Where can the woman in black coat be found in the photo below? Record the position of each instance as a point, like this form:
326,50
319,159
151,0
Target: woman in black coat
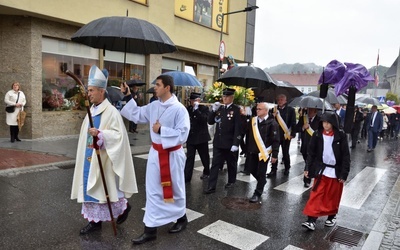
329,162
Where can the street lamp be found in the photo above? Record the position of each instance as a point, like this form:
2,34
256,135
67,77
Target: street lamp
247,9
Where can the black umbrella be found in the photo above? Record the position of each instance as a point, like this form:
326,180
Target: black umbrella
114,94
368,100
124,34
310,102
248,76
150,90
282,87
132,83
330,97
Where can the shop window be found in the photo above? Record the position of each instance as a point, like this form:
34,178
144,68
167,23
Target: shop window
59,91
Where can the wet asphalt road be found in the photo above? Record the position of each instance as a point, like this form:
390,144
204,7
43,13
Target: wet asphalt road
36,212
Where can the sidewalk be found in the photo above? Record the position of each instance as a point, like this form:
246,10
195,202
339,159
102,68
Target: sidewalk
47,153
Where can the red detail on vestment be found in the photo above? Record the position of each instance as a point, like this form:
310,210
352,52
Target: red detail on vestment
165,172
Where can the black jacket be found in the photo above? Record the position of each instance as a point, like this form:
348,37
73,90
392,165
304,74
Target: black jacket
228,126
269,132
357,120
305,136
340,148
198,125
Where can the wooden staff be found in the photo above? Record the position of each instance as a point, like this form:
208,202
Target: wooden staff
96,147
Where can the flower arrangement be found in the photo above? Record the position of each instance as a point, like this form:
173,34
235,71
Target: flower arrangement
243,96
56,99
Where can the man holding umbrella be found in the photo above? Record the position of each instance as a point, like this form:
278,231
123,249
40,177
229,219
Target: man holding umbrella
198,137
165,181
286,118
228,133
308,123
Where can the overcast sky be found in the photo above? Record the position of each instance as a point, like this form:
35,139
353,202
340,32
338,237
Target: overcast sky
318,31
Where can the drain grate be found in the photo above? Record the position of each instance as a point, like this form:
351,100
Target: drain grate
239,204
345,236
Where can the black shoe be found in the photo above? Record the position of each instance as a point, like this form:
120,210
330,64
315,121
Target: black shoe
144,238
124,215
229,185
204,176
255,199
91,227
271,174
178,226
286,172
244,172
306,185
17,139
209,191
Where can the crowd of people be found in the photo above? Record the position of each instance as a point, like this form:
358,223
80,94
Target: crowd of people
104,147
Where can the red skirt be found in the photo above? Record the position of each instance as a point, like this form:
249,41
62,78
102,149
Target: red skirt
326,199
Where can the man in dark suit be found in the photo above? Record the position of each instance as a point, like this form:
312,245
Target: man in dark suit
262,140
374,124
341,113
198,137
228,129
308,123
357,122
286,118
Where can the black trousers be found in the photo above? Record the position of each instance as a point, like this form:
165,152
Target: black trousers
14,131
285,144
258,170
354,136
221,155
202,149
305,179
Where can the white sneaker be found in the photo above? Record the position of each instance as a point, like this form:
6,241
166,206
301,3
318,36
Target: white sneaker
309,225
330,223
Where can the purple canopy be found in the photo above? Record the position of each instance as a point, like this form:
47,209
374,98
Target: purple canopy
333,73
343,77
356,75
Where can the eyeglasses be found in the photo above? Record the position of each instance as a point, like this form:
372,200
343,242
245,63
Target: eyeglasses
259,109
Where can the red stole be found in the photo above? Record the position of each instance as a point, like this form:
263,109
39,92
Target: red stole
163,157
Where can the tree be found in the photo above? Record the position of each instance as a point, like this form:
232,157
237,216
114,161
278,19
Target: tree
392,97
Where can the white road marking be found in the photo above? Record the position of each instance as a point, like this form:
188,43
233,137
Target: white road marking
232,235
359,188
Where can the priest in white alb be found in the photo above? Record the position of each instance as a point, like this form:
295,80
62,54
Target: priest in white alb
165,178
109,134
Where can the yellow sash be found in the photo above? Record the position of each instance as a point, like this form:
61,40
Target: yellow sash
283,126
264,152
310,131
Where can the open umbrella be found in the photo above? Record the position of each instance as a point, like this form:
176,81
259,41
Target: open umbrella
310,102
248,76
397,107
390,110
368,100
182,79
124,34
114,94
330,97
150,90
132,83
282,87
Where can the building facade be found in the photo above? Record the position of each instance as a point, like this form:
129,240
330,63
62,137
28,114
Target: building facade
304,82
36,50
